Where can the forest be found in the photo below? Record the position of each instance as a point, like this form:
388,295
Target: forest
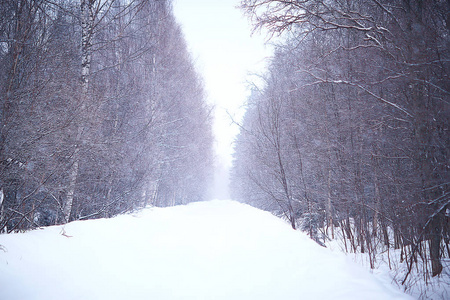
101,111
349,134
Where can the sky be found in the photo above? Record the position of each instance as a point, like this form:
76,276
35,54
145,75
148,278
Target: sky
227,56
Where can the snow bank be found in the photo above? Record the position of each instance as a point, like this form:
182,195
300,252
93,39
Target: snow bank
209,250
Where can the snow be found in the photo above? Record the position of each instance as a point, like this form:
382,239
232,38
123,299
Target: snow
206,250
390,268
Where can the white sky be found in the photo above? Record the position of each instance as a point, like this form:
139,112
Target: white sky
226,54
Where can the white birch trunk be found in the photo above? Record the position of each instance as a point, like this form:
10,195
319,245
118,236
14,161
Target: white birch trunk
87,24
73,174
2,196
144,197
154,195
329,208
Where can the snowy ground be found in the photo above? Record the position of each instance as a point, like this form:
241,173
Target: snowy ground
389,268
210,250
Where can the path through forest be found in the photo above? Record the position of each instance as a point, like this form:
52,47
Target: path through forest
207,250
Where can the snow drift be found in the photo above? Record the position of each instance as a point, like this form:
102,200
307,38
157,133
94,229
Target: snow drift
208,250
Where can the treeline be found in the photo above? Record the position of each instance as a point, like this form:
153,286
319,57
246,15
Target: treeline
350,132
101,111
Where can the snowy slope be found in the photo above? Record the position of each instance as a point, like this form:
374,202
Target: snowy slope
210,250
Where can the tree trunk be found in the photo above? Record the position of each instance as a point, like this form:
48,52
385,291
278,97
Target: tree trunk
73,174
435,246
2,215
377,204
87,25
385,234
329,208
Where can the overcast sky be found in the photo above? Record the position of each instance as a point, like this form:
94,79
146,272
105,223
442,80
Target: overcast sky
226,54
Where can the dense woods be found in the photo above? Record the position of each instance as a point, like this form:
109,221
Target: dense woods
350,133
101,111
